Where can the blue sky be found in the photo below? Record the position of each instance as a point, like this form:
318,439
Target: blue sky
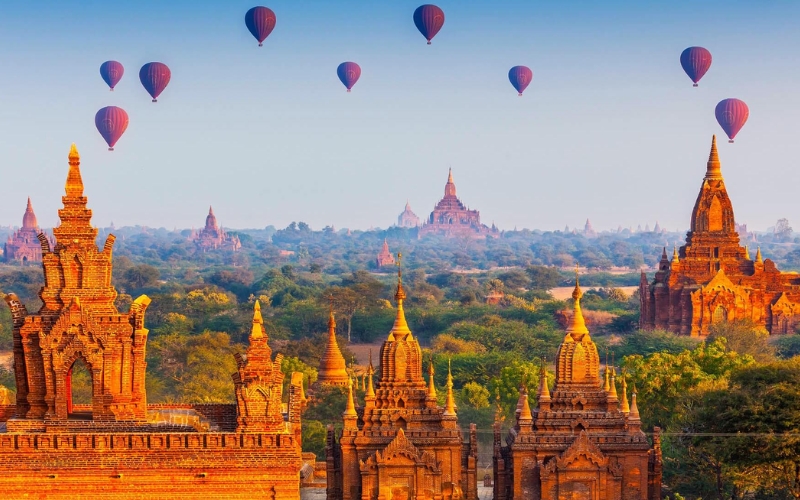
610,128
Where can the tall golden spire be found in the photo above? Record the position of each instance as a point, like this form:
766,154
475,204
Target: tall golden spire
332,366
525,409
746,253
450,187
759,259
634,413
450,407
613,394
544,390
713,171
606,383
577,326
350,411
257,331
625,408
400,330
74,187
431,382
370,391
675,257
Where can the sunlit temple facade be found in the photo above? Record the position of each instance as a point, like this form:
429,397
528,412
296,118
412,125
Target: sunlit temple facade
23,246
451,218
213,237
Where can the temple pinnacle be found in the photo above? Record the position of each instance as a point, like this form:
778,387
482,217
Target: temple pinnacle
350,411
577,326
450,407
431,383
258,322
74,186
713,170
759,259
400,330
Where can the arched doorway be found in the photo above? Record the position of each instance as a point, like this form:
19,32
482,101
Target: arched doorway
720,315
78,389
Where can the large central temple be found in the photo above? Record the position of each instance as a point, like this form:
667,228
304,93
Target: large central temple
713,279
401,444
451,218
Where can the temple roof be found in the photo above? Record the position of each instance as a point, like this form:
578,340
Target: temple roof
29,219
332,366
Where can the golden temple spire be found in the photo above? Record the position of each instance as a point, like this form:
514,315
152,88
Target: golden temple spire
625,407
713,171
759,259
544,390
350,411
450,407
613,393
370,391
74,186
746,253
332,365
525,409
675,257
634,413
257,331
400,330
431,383
577,326
606,383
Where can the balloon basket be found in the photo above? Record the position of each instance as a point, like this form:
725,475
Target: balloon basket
111,149
429,42
111,89
730,141
260,44
519,95
155,100
695,85
348,90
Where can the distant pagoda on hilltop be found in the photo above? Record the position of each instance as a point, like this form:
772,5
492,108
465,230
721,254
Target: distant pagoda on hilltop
385,257
23,246
408,218
213,237
451,218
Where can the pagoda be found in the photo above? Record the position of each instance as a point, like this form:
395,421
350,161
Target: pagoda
450,218
581,441
408,218
401,443
332,366
385,257
712,278
213,237
23,246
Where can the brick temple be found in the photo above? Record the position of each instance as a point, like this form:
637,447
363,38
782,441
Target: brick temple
385,257
118,446
451,218
408,218
582,440
713,279
401,444
213,237
332,366
23,246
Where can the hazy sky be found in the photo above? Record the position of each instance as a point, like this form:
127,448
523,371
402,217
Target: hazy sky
610,128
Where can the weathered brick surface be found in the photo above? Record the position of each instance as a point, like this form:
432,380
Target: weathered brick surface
120,447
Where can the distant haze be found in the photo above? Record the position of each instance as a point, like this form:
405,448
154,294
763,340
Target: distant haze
610,129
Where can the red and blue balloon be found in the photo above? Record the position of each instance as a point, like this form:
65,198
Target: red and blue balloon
695,62
111,122
349,73
429,19
260,21
520,77
155,77
732,114
112,72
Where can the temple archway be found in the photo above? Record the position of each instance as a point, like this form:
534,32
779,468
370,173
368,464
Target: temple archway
720,315
79,390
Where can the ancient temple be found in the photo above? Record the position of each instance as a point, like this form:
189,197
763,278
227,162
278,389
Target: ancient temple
127,448
408,218
401,444
385,257
582,441
712,278
451,218
332,366
213,237
588,230
23,246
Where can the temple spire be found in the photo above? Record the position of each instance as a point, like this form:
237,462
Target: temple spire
350,411
634,413
746,253
29,219
450,407
431,382
713,171
675,257
74,186
400,330
332,366
544,390
370,391
257,332
625,408
759,259
577,326
525,408
450,187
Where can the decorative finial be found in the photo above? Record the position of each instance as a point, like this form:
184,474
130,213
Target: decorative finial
634,410
74,156
431,383
577,326
759,259
74,186
606,383
450,407
625,407
400,330
713,170
746,253
350,411
544,390
675,257
370,391
258,322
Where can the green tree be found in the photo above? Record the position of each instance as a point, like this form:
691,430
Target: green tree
141,276
544,278
744,337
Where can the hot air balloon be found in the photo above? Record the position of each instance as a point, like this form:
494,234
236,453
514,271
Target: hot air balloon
111,71
732,115
111,122
429,20
154,77
520,77
260,21
349,73
695,62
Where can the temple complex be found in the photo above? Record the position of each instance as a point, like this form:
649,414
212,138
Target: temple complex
213,237
582,441
118,446
385,257
332,366
23,246
713,279
401,444
451,218
407,218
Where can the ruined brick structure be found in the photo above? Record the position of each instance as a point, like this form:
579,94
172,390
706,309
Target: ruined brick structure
118,446
712,277
452,219
385,257
401,445
332,366
213,237
23,246
408,218
581,441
